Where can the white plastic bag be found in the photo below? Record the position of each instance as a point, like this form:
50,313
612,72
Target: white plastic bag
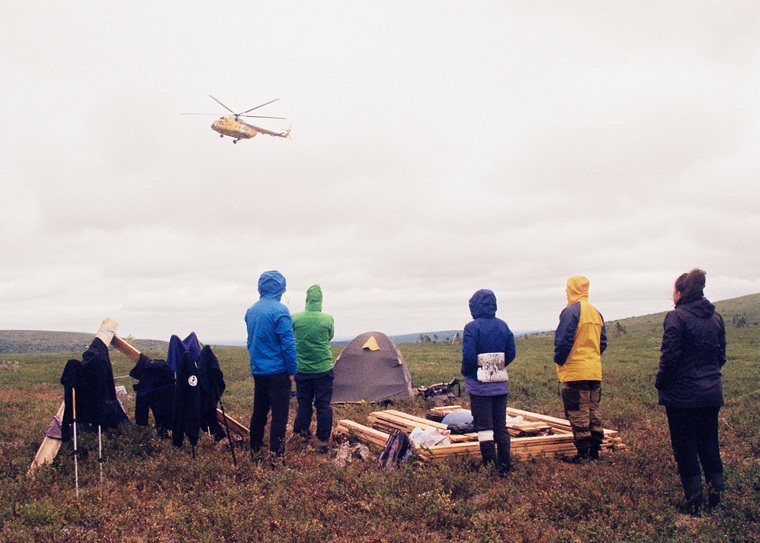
429,437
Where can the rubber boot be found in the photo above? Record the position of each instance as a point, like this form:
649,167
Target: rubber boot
504,458
593,452
583,447
692,489
715,487
488,452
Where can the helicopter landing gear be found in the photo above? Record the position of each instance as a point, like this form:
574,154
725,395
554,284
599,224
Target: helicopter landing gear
235,141
221,135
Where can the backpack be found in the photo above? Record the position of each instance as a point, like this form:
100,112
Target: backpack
441,393
398,448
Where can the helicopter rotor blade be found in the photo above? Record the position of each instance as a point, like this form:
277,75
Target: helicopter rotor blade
260,116
257,107
225,107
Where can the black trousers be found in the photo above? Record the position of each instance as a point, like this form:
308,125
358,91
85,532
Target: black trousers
316,389
271,392
694,436
490,413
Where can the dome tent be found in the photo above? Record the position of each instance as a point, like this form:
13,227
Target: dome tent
371,368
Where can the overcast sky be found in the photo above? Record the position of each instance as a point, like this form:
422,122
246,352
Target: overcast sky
437,148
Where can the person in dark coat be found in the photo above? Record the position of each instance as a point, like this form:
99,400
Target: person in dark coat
689,385
488,346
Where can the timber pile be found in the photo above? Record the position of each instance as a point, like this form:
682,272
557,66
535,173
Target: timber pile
396,420
558,442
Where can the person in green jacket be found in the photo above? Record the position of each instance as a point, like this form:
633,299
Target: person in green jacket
314,381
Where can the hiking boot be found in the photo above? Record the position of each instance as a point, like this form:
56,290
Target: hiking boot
716,485
323,448
504,459
692,489
593,452
488,452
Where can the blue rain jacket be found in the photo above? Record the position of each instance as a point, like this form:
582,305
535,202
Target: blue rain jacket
271,343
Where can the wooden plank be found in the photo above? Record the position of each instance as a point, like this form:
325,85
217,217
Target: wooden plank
391,419
396,420
363,433
49,447
234,425
107,330
126,349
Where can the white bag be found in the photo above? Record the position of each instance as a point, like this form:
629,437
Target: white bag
491,368
429,437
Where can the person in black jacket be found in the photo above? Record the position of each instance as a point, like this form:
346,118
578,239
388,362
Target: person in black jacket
690,387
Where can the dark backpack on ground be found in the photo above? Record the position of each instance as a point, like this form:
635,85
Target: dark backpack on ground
397,449
441,393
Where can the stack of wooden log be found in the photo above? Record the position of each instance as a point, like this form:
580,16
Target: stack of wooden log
532,434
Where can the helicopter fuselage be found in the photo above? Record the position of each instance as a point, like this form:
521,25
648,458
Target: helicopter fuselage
230,126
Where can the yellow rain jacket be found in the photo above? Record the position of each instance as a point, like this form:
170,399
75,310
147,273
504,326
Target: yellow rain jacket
580,338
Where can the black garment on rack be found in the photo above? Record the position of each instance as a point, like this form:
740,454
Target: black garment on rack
186,404
92,380
154,392
211,382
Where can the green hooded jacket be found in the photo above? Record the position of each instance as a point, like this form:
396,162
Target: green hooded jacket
313,330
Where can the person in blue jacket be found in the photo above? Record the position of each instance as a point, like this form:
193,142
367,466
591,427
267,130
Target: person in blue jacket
488,346
272,349
690,386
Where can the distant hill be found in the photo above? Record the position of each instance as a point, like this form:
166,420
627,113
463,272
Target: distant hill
736,312
44,342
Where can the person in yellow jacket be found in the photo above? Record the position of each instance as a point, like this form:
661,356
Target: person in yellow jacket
579,341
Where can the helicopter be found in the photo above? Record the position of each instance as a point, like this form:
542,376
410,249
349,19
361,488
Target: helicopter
233,127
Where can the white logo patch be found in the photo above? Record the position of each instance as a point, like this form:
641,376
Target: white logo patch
192,380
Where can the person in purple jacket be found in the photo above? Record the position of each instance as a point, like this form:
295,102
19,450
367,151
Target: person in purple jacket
488,346
689,385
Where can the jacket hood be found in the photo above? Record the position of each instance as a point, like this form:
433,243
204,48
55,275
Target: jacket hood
271,285
314,298
483,304
577,289
699,307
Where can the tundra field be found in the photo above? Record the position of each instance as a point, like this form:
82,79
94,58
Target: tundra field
152,491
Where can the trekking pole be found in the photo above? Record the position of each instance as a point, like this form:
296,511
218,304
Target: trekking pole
227,428
100,458
74,415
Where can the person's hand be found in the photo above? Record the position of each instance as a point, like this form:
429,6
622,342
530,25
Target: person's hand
292,377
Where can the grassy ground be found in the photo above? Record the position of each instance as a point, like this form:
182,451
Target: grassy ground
151,491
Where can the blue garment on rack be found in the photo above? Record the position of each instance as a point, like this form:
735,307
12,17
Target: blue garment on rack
178,347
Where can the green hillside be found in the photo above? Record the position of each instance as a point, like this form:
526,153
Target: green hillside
44,342
736,312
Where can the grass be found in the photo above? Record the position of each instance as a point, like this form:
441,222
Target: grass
151,491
